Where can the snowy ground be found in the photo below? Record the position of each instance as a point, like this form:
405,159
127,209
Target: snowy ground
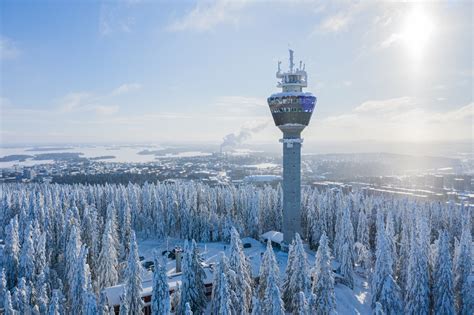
349,301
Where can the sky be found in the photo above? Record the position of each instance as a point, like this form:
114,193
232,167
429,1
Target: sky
194,71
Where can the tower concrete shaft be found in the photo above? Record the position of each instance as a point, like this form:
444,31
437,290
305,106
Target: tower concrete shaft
291,110
291,185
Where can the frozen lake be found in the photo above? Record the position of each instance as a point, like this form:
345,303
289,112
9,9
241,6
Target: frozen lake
124,153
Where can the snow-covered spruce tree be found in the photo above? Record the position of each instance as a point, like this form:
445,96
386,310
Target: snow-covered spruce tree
347,267
54,305
256,306
462,269
347,249
323,285
73,250
362,251
362,228
41,298
41,261
11,253
312,304
302,308
90,237
125,232
417,298
338,212
268,264
221,298
314,228
289,267
8,305
134,279
160,299
241,284
112,220
403,259
192,283
27,256
390,232
188,310
272,303
103,307
3,287
124,305
443,294
79,284
21,297
378,309
384,288
299,280
176,299
106,266
221,292
90,301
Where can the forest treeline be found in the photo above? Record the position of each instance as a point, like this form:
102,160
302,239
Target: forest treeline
65,243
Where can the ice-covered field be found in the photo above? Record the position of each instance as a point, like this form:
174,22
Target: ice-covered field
349,301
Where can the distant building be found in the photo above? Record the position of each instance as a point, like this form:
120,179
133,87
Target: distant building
263,179
459,184
174,279
325,185
275,237
28,173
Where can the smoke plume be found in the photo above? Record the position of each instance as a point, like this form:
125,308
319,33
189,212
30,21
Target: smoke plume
245,133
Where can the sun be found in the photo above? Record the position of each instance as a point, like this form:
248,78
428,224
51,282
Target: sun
417,31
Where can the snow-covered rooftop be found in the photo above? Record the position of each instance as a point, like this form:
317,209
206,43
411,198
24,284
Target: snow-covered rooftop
273,236
262,178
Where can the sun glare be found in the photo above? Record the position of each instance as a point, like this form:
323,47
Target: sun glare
417,31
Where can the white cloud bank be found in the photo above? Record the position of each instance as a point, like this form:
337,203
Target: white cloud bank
85,117
126,88
396,119
207,15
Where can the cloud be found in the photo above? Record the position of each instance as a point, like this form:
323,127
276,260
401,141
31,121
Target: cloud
106,110
397,119
73,101
335,23
93,102
392,40
126,88
339,16
207,15
8,48
241,101
116,17
457,115
240,106
384,106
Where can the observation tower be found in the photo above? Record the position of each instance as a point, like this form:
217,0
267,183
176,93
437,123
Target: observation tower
291,110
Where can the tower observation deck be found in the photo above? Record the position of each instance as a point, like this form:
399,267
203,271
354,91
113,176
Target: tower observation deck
291,110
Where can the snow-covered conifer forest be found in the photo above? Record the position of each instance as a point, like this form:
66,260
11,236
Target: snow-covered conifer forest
64,245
